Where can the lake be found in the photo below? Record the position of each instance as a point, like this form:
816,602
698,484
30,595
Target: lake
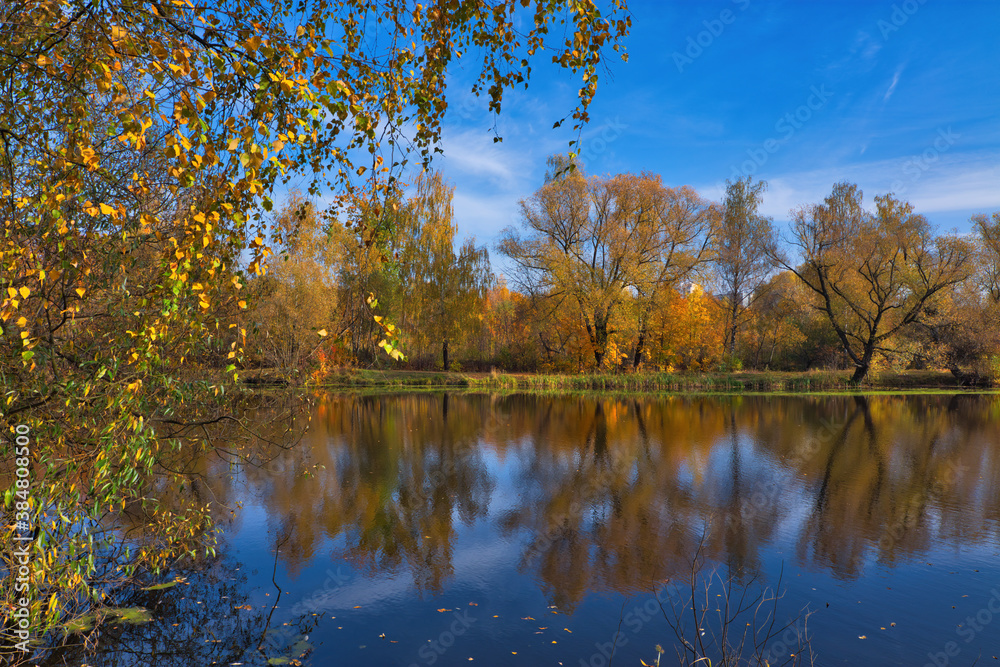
449,529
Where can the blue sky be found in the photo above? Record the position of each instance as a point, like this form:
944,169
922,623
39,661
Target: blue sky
894,96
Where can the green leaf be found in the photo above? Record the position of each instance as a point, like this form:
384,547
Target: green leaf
160,587
132,615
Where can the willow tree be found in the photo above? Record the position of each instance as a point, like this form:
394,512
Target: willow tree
140,143
872,274
443,291
299,295
742,247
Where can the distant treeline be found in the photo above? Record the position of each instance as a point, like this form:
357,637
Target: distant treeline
623,273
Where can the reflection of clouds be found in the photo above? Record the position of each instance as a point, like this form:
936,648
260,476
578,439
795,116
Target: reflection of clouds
482,566
585,493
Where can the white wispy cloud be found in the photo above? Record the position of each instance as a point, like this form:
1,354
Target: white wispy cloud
895,81
949,184
474,153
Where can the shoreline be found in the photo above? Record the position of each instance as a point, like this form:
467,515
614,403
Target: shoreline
808,382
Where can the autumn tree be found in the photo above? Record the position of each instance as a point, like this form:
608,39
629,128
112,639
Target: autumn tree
507,339
683,223
443,291
743,244
298,296
140,143
366,269
872,274
686,332
783,331
987,275
598,242
962,333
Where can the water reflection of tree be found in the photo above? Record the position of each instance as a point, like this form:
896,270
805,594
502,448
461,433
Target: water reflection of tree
258,428
397,473
908,472
616,493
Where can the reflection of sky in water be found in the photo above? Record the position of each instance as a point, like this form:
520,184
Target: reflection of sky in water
504,595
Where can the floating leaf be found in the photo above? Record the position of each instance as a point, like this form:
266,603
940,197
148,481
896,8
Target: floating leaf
160,587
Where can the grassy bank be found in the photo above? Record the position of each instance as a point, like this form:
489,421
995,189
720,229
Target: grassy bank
811,381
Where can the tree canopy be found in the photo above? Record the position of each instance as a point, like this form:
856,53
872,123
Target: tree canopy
141,143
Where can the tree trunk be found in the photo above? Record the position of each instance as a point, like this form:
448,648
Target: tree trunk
859,373
639,348
731,333
444,353
598,334
600,340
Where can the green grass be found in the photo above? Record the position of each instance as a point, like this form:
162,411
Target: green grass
759,381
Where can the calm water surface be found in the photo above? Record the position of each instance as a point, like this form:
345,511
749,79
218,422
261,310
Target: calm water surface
420,529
